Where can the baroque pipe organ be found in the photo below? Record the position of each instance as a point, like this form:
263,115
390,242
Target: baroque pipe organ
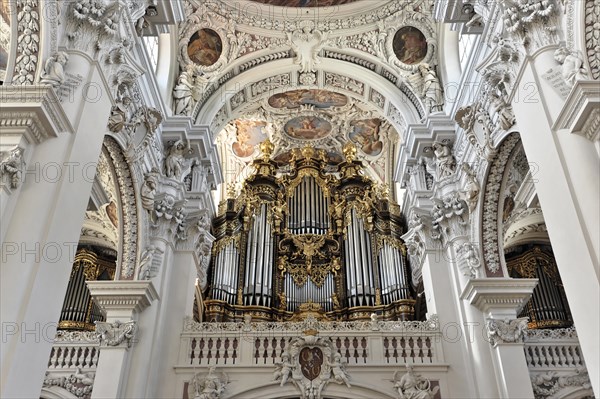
308,237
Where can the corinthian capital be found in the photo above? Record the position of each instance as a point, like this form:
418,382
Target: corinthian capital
506,331
450,218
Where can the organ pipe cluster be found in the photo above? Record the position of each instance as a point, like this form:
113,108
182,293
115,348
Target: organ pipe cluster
310,234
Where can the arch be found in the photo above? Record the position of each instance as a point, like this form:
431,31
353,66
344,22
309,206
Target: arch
127,207
400,105
331,391
493,255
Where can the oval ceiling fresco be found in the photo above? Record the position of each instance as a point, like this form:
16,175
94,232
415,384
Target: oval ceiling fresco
318,98
307,128
205,47
305,3
410,45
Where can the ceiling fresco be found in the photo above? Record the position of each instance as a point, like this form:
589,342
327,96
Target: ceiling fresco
305,3
318,98
307,128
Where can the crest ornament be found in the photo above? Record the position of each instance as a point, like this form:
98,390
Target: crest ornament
310,363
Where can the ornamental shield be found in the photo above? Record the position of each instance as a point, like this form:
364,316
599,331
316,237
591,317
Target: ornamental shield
311,360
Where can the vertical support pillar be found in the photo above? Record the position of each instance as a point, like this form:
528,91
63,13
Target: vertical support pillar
501,300
122,301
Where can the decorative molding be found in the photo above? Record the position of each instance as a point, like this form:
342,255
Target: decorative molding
79,384
506,331
541,335
592,38
28,41
75,337
552,383
32,111
499,297
122,296
431,325
491,200
580,114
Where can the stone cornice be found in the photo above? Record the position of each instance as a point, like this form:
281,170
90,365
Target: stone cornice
124,296
32,111
580,113
499,297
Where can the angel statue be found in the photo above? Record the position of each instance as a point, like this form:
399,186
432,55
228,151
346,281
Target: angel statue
413,386
210,386
338,368
185,94
283,370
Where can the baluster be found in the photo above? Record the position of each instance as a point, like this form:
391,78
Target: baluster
363,344
78,359
282,344
61,358
546,361
209,354
386,345
266,351
536,357
257,352
347,346
235,345
395,346
528,356
193,353
429,352
217,355
420,346
201,352
87,357
52,359
355,345
577,355
226,354
411,345
274,352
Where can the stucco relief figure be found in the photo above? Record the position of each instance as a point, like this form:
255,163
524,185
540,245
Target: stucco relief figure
445,162
148,191
413,386
506,116
175,164
210,386
54,72
119,115
283,370
432,94
572,66
12,165
185,93
338,368
472,188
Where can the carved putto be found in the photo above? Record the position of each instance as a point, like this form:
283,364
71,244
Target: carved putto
310,363
209,386
445,164
413,386
12,165
54,73
79,383
572,65
115,334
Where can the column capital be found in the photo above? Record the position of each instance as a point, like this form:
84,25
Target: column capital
31,112
499,298
122,299
506,331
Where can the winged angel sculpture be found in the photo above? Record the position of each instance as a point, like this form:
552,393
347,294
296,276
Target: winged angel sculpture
209,386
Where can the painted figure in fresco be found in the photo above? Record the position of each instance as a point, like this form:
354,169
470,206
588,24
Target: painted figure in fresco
205,47
410,45
366,134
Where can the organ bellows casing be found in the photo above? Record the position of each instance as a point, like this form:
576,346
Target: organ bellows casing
310,235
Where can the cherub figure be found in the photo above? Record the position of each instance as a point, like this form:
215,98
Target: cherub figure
54,69
12,164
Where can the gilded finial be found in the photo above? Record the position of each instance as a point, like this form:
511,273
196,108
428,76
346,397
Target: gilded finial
349,151
266,147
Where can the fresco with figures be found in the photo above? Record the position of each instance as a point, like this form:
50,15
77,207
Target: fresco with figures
365,133
249,134
307,128
321,99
